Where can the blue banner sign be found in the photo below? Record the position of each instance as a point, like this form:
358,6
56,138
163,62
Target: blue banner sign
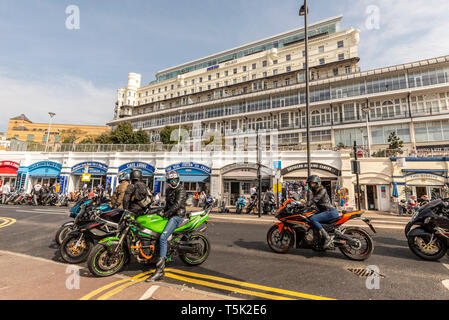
189,165
94,168
144,167
48,164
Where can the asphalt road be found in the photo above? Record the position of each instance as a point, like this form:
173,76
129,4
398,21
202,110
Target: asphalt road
240,253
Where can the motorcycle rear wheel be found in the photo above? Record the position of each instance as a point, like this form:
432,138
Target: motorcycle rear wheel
275,243
418,245
72,255
197,259
62,232
365,248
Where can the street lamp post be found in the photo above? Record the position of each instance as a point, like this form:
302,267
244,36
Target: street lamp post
304,11
366,110
52,114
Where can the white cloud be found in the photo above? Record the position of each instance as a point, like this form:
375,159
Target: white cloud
74,100
409,31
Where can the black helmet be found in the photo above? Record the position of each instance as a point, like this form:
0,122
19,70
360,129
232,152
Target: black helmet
136,175
316,179
172,179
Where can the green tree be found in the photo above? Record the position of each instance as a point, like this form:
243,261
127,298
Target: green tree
166,134
395,145
123,134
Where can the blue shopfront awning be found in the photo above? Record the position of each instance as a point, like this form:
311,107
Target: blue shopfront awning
186,178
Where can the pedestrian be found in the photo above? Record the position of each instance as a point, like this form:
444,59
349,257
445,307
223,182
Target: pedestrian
6,190
119,193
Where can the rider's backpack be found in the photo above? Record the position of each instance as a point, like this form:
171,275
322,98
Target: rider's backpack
143,195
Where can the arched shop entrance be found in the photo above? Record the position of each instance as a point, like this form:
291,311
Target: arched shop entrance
97,171
238,179
147,171
329,175
194,176
43,172
8,172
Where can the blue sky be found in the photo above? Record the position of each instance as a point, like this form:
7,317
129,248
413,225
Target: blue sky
75,73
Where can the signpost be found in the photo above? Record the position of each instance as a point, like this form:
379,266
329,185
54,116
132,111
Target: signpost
277,166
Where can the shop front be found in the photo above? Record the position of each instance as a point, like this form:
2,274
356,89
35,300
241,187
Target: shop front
89,175
426,182
42,172
194,176
8,172
146,169
238,179
330,176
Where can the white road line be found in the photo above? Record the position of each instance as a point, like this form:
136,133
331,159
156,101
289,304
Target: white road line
446,283
446,265
147,295
49,210
55,212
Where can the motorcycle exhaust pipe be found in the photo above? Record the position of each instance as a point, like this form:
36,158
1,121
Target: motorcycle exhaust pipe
186,249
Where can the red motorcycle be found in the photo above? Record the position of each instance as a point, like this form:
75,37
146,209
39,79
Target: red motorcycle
294,229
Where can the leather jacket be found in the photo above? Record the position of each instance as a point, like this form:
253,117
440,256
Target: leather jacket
175,202
320,199
129,199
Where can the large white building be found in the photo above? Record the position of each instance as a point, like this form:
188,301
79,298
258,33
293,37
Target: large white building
261,85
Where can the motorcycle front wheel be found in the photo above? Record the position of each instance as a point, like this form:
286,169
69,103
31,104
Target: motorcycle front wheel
421,247
104,262
277,244
73,253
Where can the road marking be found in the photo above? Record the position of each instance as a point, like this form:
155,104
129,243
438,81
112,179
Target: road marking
103,288
124,286
55,212
446,265
251,285
227,288
6,222
149,293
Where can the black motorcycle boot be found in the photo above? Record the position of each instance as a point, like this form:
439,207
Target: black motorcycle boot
159,274
327,239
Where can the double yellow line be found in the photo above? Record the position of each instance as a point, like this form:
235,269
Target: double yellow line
5,222
270,292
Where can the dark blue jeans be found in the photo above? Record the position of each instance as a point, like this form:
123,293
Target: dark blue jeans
323,217
172,224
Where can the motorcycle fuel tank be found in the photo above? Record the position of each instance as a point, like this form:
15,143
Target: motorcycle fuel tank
153,222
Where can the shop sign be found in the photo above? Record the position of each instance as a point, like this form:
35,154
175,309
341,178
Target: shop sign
48,164
85,177
9,164
136,165
189,165
318,166
93,167
424,177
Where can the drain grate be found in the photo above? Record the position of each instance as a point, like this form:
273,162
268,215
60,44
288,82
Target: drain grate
364,272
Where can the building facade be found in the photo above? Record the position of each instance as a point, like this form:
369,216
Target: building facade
23,129
261,86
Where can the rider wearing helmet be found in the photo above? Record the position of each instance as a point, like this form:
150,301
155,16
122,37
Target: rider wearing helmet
137,195
175,211
319,197
119,193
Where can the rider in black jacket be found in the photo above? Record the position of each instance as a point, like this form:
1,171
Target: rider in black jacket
175,211
135,194
319,197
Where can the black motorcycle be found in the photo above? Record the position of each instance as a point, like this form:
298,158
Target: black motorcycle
428,232
89,228
269,205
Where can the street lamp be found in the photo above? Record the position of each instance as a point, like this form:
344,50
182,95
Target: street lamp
304,11
52,114
366,110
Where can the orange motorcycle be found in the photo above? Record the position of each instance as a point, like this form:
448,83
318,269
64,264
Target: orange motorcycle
294,229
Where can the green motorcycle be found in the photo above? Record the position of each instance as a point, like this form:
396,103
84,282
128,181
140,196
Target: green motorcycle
139,238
